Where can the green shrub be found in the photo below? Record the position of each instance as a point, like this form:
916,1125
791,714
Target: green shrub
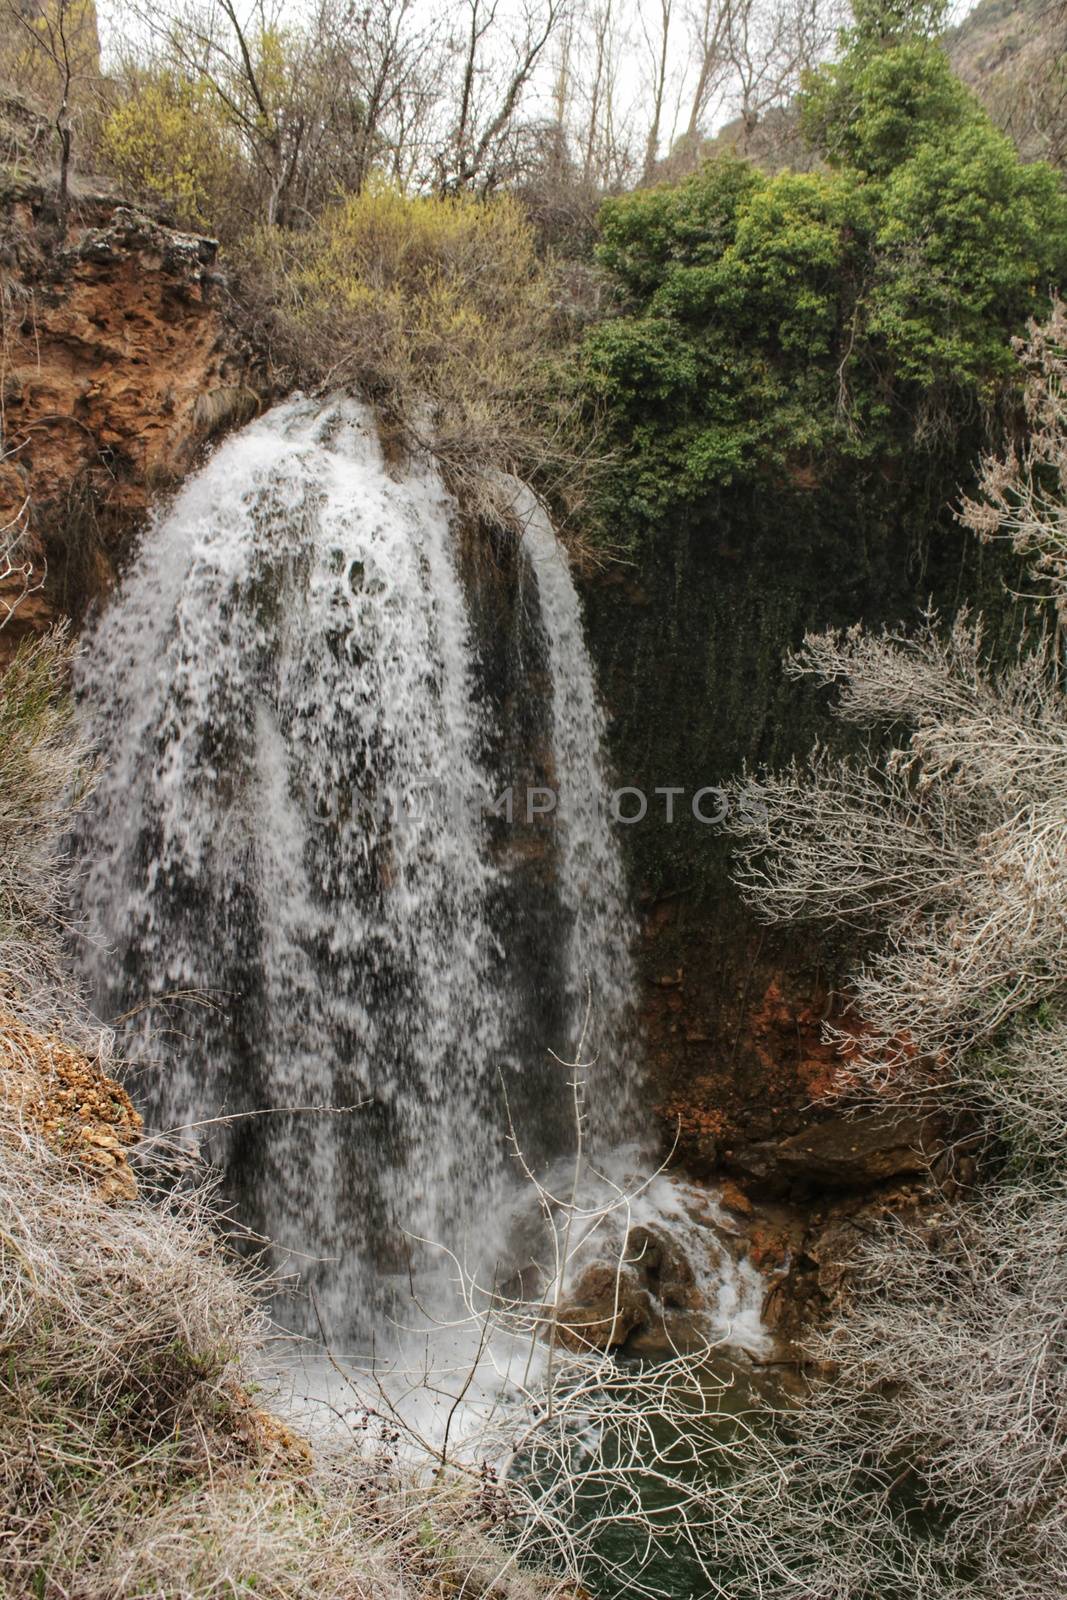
862,311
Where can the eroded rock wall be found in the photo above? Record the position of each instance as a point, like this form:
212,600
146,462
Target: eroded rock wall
119,360
689,642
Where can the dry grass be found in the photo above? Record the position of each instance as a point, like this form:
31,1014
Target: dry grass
119,1325
46,774
134,1465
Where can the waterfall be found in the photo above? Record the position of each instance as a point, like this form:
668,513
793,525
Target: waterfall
291,883
600,934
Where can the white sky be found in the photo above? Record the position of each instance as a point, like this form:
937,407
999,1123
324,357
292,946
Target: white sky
636,18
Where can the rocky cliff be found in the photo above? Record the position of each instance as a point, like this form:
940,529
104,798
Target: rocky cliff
689,643
119,360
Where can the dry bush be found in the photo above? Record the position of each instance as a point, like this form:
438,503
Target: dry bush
599,1471
25,135
118,1323
439,310
949,843
1023,495
45,777
355,1530
933,1464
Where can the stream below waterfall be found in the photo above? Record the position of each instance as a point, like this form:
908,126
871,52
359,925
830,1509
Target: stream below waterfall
352,899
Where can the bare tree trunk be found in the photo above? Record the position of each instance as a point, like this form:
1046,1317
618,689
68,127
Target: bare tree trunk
63,128
49,35
601,25
711,26
660,50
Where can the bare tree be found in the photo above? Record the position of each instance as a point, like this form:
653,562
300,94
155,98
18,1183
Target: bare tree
497,58
602,19
314,105
709,28
53,50
1022,84
658,42
602,128
769,44
391,56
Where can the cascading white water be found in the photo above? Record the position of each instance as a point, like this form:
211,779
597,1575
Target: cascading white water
600,933
282,692
290,824
298,891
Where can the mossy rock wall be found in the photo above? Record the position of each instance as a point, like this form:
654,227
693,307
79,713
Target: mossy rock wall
689,644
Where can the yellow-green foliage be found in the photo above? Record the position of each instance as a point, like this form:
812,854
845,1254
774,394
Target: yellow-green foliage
439,309
168,141
63,28
390,243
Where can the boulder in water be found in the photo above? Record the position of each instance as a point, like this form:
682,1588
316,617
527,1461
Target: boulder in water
605,1305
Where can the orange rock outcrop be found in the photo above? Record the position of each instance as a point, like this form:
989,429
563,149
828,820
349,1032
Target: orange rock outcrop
117,362
82,1114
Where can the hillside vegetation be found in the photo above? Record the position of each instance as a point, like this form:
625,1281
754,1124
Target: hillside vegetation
775,395
778,326
419,235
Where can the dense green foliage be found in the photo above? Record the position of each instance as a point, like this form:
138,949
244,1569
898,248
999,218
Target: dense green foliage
438,309
861,311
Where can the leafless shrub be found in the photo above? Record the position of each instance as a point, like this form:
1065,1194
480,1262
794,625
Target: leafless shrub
45,776
1024,493
1021,1088
933,1463
950,842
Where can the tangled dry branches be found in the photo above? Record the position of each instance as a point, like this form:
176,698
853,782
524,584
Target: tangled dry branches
934,1464
603,1471
1023,494
951,843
